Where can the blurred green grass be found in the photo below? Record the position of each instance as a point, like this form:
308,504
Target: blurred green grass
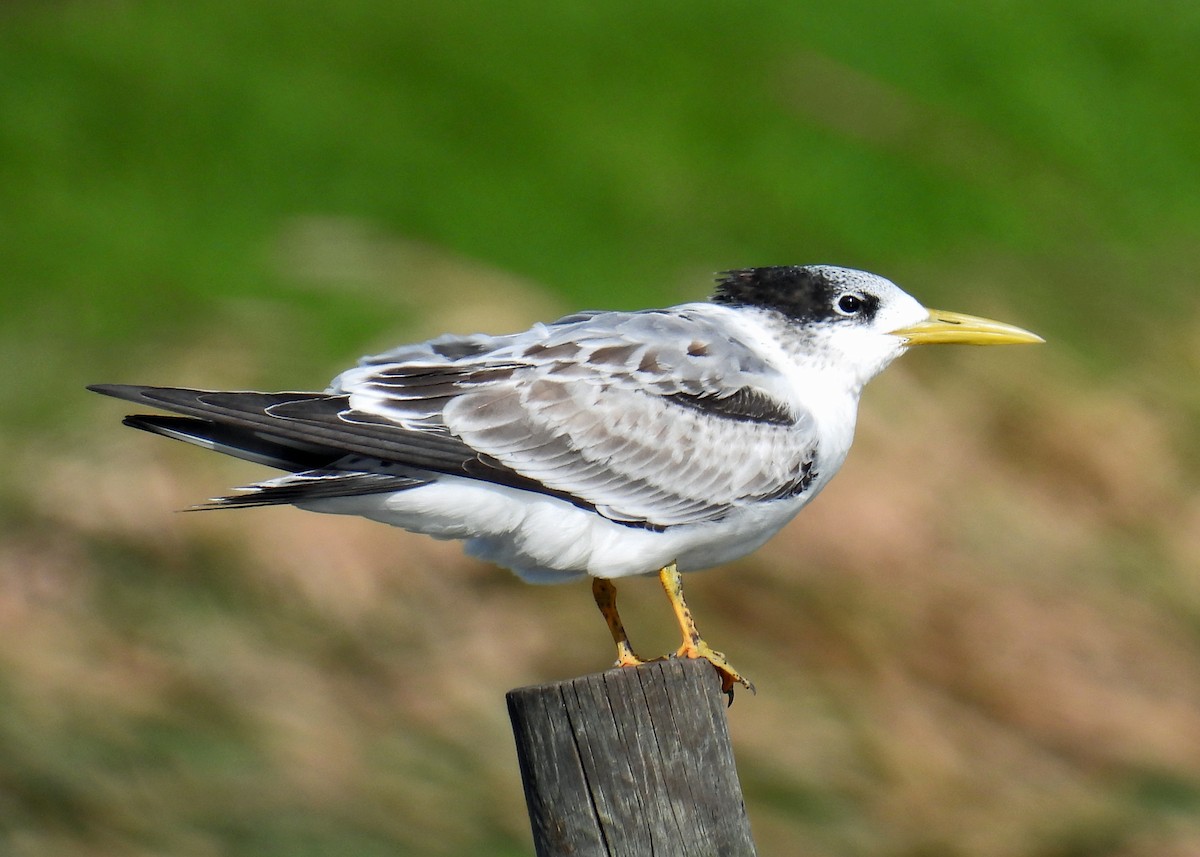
254,193
151,153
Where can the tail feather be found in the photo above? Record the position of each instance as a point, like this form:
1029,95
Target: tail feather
236,441
312,485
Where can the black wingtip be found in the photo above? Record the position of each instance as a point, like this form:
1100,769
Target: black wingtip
129,392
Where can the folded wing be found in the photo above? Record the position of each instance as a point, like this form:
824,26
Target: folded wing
652,419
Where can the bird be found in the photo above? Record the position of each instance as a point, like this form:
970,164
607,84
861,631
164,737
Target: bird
605,444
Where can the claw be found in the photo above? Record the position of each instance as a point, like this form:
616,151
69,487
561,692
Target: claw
697,648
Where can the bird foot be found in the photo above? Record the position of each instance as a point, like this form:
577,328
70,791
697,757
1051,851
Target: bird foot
627,657
701,650
697,648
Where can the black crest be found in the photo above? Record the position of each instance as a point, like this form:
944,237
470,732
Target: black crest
804,294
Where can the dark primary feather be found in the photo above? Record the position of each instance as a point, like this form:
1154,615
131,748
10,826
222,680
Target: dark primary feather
235,441
315,471
316,421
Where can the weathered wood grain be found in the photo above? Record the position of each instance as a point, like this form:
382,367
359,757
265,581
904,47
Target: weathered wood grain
633,761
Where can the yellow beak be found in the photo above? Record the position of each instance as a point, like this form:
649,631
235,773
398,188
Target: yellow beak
947,328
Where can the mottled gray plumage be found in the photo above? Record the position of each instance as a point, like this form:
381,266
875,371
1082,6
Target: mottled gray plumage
601,407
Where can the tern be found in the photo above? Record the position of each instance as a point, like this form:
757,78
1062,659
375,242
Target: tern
604,444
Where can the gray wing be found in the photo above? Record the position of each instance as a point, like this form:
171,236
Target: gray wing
655,418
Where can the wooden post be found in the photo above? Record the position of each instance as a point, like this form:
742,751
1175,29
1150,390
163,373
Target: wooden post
632,761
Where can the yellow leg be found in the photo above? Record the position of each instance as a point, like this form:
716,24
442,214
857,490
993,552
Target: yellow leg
606,599
693,644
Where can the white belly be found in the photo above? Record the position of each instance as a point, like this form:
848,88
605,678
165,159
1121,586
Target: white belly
547,540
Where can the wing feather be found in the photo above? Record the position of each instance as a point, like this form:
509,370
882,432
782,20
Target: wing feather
659,417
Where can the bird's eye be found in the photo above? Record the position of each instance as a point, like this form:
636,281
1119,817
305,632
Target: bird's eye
849,304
